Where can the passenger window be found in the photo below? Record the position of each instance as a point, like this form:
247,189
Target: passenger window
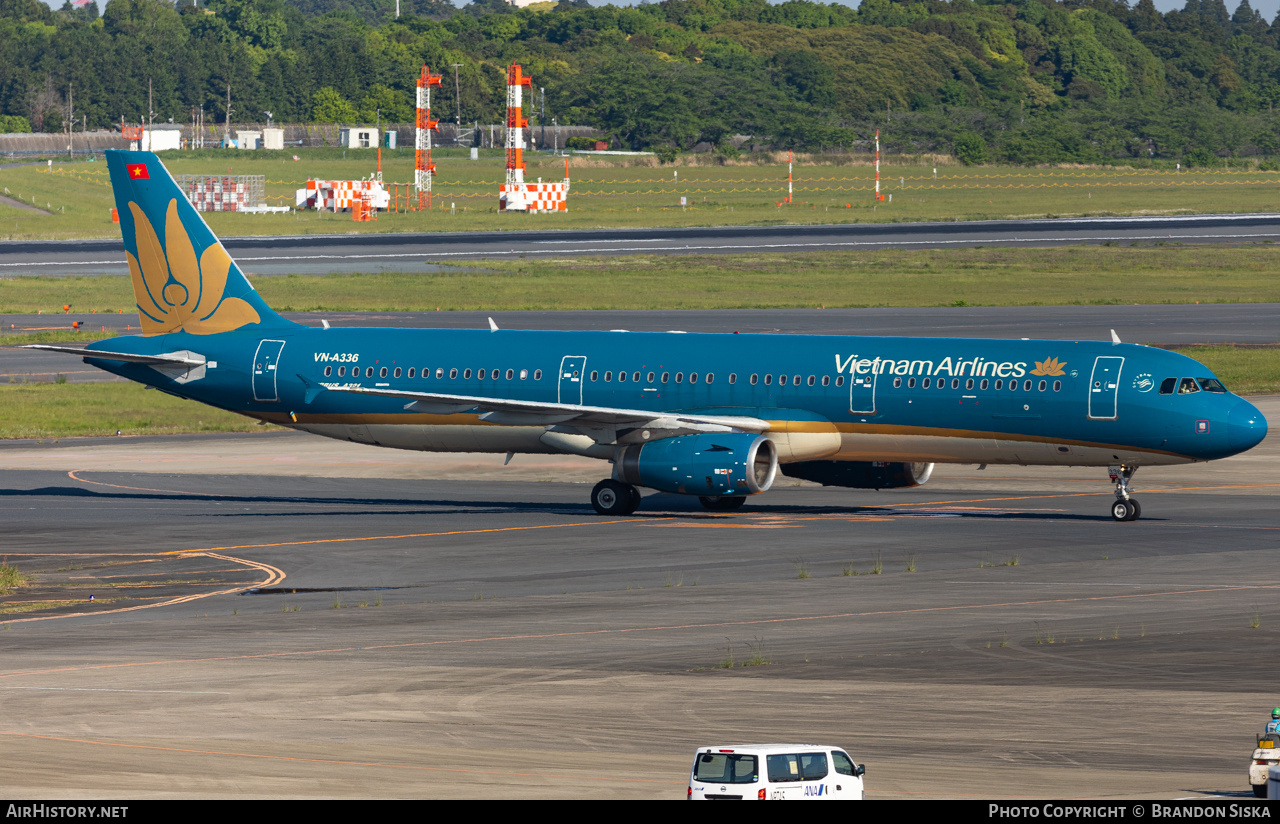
594,376
494,374
826,380
1167,386
453,374
813,765
510,373
649,378
955,383
622,377
754,378
693,377
733,378
480,374
440,373
328,370
679,377
635,377
897,383
968,384
665,376
839,380
1211,385
1057,386
783,768
1026,385
926,383
999,385
396,374
768,379
466,374
608,376
711,377
782,380
911,383
411,370
810,381
342,370
795,380
1042,385
537,374
720,768
842,762
985,383
382,373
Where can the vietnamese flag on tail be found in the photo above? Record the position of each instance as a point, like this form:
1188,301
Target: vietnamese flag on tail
137,171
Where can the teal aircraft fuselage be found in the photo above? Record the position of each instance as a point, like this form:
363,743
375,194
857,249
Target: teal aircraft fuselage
709,415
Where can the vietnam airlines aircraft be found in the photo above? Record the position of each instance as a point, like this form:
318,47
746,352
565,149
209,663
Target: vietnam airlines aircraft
716,416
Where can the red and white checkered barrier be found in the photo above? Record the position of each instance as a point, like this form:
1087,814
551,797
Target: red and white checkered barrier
538,197
337,195
221,194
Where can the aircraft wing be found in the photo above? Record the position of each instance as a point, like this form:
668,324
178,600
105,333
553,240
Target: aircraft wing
99,354
605,424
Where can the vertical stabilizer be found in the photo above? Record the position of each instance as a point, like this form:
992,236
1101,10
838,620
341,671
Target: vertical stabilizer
183,279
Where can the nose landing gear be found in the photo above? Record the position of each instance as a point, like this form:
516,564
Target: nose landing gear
610,497
1125,507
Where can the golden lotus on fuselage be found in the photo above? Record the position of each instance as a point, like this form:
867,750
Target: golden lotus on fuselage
1049,368
176,291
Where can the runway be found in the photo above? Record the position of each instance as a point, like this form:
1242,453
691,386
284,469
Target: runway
464,629
414,252
1252,323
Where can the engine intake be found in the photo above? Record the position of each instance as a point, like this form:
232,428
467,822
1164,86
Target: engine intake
861,474
710,465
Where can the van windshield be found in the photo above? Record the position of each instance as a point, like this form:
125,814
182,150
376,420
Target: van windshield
727,768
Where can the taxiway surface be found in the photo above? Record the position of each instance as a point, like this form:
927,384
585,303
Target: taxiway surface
445,626
418,252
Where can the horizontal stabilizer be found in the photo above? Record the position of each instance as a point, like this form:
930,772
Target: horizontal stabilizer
100,354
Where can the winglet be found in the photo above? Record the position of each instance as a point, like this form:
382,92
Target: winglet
493,327
1114,337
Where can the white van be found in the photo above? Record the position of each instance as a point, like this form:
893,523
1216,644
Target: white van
774,771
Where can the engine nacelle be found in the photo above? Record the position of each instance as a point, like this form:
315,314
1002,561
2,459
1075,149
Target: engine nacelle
711,465
861,474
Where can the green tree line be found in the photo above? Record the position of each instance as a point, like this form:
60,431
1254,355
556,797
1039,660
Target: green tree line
1029,81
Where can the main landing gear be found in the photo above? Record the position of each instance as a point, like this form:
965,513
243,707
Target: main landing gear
1125,508
612,497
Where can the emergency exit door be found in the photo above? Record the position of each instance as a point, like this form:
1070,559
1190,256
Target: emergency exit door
571,378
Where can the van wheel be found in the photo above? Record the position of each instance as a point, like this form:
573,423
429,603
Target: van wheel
1259,790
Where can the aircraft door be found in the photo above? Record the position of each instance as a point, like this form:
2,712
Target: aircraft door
572,376
1104,387
862,391
265,361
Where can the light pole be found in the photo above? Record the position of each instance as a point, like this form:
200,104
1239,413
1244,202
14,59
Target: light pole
457,95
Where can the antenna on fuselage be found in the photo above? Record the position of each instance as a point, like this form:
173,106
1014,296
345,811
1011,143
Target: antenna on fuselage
1114,337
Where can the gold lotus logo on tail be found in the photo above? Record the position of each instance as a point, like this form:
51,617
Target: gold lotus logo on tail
175,291
1051,368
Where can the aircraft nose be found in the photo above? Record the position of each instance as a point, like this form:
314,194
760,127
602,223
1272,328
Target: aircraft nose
1246,427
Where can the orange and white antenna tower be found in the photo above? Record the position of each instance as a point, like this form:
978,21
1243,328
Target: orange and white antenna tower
516,193
423,169
878,195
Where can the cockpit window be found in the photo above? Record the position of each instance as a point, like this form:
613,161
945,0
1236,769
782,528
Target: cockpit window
1211,385
1187,386
1168,385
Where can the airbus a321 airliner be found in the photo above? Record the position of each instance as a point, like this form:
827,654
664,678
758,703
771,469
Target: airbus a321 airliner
711,415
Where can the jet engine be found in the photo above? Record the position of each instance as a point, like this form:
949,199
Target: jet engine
861,474
708,465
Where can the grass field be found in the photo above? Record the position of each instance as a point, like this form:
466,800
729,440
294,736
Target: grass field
54,410
609,192
994,276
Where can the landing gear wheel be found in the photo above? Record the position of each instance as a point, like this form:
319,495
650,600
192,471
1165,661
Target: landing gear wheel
723,504
613,498
1259,790
1123,510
